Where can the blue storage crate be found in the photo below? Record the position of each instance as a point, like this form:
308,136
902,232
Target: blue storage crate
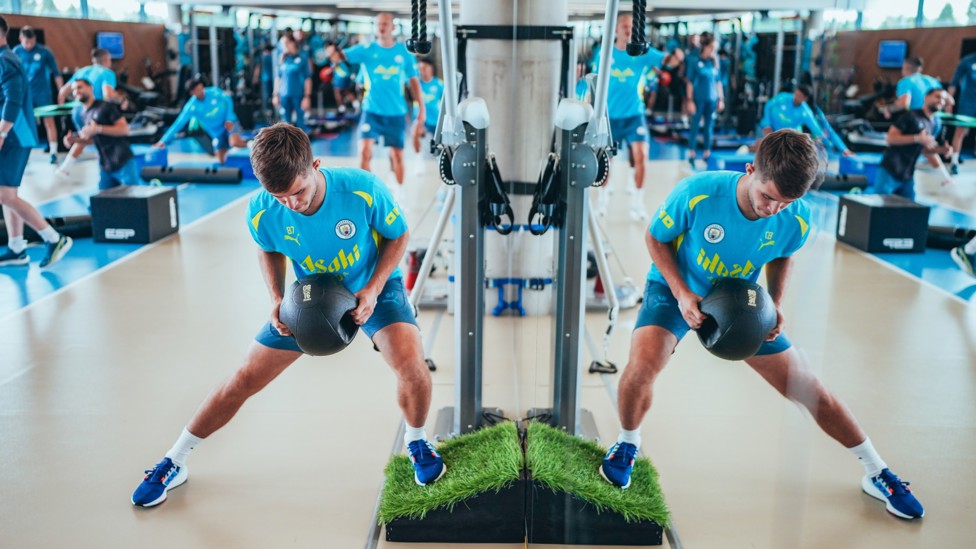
240,158
147,155
729,161
862,163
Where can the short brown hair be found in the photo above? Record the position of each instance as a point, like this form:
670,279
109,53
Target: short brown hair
915,63
280,154
791,160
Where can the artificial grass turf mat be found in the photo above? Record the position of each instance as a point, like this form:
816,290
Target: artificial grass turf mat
489,459
564,463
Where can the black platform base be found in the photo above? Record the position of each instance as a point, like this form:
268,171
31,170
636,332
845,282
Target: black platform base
564,519
486,518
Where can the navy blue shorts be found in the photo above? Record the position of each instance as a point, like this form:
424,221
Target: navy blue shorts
221,141
632,129
13,161
392,306
390,128
660,308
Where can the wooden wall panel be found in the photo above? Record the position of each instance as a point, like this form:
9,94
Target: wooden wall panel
72,40
939,48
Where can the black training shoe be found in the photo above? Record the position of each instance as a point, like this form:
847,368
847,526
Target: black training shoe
56,251
11,258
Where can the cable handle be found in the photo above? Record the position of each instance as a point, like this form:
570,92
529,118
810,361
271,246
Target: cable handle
418,42
638,40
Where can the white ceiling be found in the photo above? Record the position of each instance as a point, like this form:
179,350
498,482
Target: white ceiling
578,9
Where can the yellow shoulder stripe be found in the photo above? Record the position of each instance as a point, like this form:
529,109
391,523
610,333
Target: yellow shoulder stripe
257,219
365,196
678,241
803,225
694,201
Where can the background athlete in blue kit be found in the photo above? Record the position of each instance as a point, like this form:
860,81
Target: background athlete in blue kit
789,110
335,220
432,89
625,106
213,108
388,66
705,94
41,67
293,85
728,224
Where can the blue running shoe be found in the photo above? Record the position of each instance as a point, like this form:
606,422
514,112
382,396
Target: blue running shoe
618,463
964,260
56,251
427,463
162,478
11,258
890,489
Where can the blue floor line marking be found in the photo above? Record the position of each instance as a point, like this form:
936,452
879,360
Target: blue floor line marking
22,285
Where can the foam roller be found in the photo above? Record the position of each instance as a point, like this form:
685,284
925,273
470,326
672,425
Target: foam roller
75,226
943,237
843,182
177,174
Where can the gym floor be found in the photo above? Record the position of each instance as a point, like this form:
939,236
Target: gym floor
99,376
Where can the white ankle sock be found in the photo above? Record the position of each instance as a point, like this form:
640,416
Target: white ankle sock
53,146
632,437
955,157
68,161
970,247
50,235
869,457
181,450
413,433
17,244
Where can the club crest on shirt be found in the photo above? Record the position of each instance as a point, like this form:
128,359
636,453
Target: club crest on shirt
345,229
714,233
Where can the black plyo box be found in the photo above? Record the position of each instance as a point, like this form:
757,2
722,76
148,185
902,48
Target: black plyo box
564,519
137,214
489,517
882,223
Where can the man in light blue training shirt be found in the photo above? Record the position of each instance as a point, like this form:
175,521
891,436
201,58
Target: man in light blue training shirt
789,110
625,107
388,66
724,224
214,110
341,221
911,89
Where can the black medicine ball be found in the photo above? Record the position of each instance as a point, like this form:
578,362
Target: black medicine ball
740,315
315,309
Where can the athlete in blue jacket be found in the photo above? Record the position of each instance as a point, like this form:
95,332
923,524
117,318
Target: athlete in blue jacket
41,67
18,135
